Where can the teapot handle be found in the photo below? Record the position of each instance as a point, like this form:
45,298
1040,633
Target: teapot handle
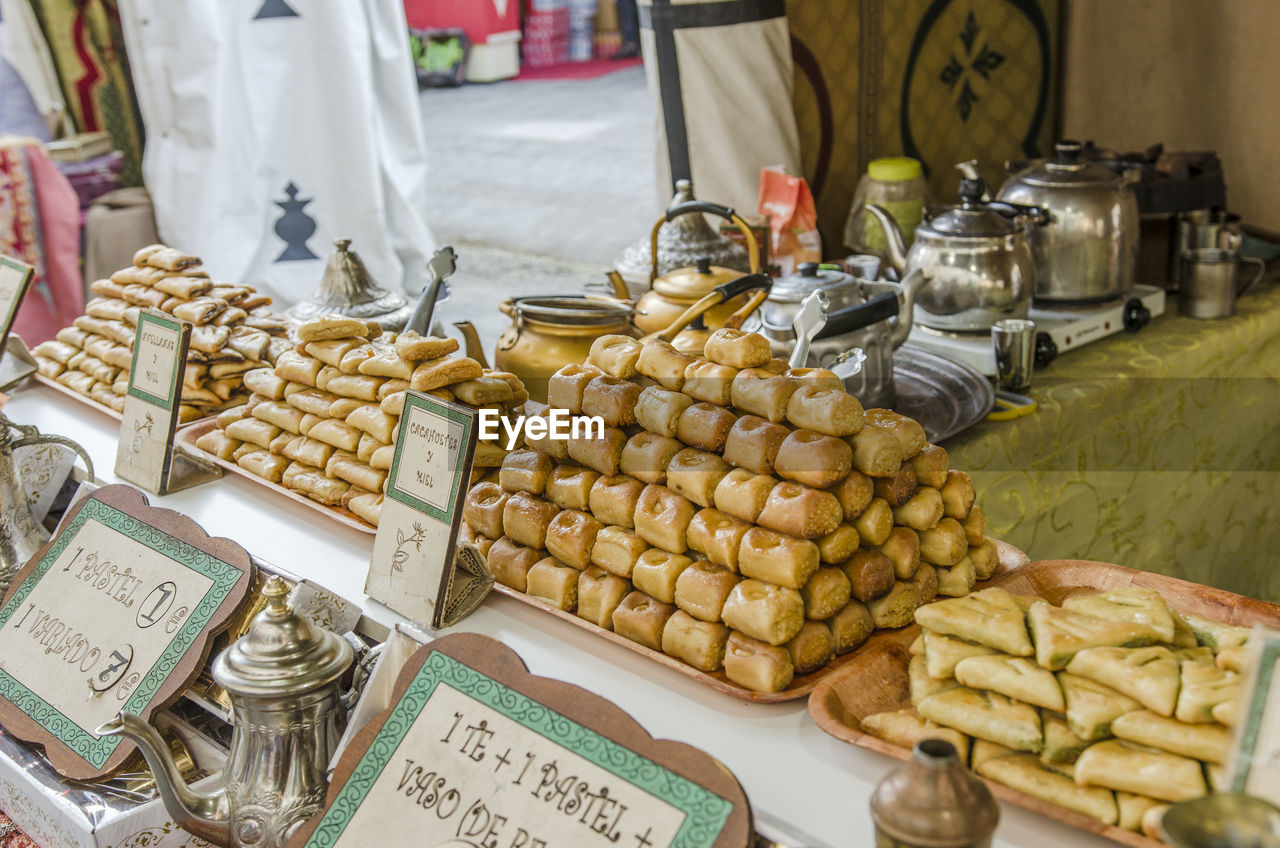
34,437
760,283
673,212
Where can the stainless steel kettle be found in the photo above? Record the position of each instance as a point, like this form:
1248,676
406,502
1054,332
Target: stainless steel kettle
975,259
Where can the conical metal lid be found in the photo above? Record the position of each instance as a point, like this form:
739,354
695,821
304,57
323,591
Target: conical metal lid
972,218
347,288
282,654
681,243
1068,167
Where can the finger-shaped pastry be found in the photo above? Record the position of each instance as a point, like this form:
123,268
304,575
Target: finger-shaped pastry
209,339
875,523
975,526
777,557
202,310
554,582
331,351
616,550
253,430
415,348
615,355
310,400
611,399
658,410
931,466
337,433
922,511
73,336
985,559
613,499
737,349
641,618
601,453
743,494
355,357
831,411
437,373
756,665
799,511
814,377
298,368
308,451
382,457
908,432
705,380
482,391
332,326
1124,767
569,487
701,644
958,495
944,544
899,488
59,352
219,444
825,593
646,456
752,443
525,519
958,580
525,471
571,535
764,611
810,458
897,607
108,288
356,473
876,452
662,363
695,475
717,535
903,550
482,508
565,387
662,518
599,594
385,362
184,286
850,626
354,386
812,647
264,463
763,393
369,418
108,308
840,544
705,426
702,588
165,258
510,563
319,487
656,572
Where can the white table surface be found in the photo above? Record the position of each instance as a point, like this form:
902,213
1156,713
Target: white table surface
793,772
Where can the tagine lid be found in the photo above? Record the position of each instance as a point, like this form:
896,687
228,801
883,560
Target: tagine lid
347,288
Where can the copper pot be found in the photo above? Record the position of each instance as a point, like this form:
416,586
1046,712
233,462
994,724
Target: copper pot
549,332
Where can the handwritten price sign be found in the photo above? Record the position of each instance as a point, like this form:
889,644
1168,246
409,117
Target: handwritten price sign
113,614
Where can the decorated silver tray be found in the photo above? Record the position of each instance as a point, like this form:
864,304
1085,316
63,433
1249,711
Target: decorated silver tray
944,395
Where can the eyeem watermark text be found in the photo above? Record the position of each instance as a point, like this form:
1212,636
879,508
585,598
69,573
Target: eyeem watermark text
556,424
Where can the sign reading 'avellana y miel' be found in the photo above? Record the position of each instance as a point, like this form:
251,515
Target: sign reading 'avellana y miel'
114,613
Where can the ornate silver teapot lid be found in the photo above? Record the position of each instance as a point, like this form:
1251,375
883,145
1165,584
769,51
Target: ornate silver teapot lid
347,288
973,218
282,654
682,241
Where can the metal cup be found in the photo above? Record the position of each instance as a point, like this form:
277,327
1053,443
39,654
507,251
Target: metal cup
864,266
1211,282
1014,342
1201,228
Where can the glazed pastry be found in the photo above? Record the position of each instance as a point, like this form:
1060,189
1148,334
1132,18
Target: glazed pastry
707,381
352,360
827,410
922,684
839,545
777,558
799,511
414,347
642,619
985,560
369,507
895,608
308,451
752,443
1061,633
616,550
757,666
986,715
958,495
445,371
662,518
217,443
1208,742
313,483
876,452
646,456
525,471
314,401
695,475
662,363
903,550
870,574
553,582
616,355
656,572
921,512
855,493
571,535
658,410
899,488
958,580
812,647
717,535
909,433
851,626
1216,634
1092,707
812,459
370,419
383,456
613,499
264,464
772,614
253,430
743,494
705,426
280,414
1017,677
702,588
1148,675
825,593
565,387
1203,688
337,433
525,519
482,391
762,393
975,526
601,454
1121,766
737,349
599,594
1026,774
701,644
1137,605
611,399
359,474
991,617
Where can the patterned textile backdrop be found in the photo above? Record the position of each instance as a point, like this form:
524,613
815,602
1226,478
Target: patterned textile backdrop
85,40
941,80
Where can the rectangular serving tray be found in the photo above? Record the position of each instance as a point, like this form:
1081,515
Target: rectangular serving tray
874,679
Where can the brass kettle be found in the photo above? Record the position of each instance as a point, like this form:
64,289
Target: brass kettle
688,333
671,294
284,678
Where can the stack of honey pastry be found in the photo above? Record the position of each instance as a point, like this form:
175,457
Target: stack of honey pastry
233,333
1111,705
735,514
323,420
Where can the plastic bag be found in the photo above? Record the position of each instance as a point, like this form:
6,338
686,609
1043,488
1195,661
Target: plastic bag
793,219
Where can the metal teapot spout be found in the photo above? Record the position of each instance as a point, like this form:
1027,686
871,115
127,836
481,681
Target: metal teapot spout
207,816
471,340
897,248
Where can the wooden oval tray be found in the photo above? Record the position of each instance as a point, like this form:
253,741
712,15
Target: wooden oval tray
1010,559
874,680
187,438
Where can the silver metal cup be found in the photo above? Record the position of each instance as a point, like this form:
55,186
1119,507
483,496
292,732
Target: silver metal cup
864,266
1014,342
1211,282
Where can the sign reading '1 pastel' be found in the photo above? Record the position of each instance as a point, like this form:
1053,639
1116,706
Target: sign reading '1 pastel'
113,614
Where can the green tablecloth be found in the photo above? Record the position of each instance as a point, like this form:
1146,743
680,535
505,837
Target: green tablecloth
1158,450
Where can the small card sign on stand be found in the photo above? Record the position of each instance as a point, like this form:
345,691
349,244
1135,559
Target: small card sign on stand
1255,764
16,361
116,612
475,750
146,455
418,568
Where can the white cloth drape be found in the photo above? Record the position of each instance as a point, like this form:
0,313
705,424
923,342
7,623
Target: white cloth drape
242,100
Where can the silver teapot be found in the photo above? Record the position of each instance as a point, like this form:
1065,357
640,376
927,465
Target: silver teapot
975,258
20,534
284,679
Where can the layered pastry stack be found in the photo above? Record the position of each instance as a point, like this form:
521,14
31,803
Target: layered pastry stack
233,332
734,514
1111,705
323,420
